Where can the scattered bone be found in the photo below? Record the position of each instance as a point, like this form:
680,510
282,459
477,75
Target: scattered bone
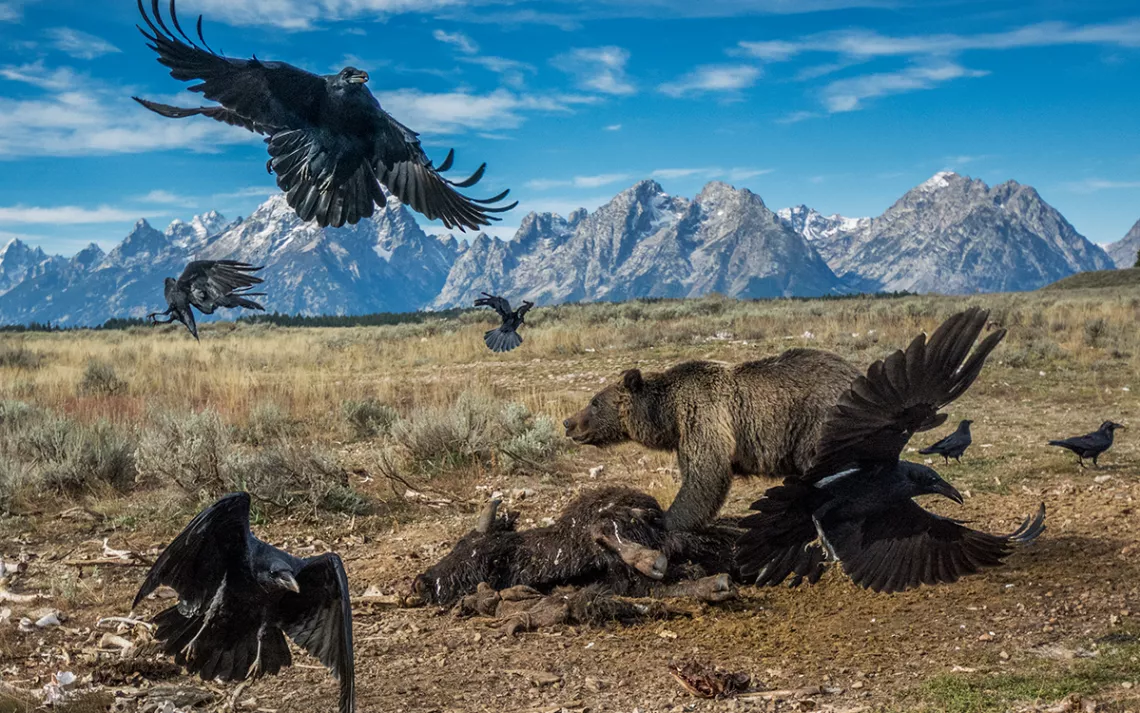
123,623
789,694
116,643
56,691
707,681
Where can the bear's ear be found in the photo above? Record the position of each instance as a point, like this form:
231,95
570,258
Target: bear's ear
633,381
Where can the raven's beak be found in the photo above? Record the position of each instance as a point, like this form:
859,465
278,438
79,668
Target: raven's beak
358,78
287,581
949,491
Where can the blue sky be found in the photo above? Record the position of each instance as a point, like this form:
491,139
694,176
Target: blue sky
840,104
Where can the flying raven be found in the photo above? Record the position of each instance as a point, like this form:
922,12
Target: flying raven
238,596
856,499
1090,445
505,337
208,285
330,143
952,446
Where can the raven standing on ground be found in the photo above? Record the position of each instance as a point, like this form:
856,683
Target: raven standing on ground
238,597
208,285
505,337
330,143
1092,444
857,497
952,446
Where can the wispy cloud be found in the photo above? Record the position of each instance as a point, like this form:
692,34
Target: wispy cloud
796,117
613,127
512,72
713,78
458,40
80,45
850,94
865,43
11,11
596,181
455,112
597,69
65,215
163,197
710,172
1095,185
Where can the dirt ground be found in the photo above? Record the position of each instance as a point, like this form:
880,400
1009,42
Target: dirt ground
1057,628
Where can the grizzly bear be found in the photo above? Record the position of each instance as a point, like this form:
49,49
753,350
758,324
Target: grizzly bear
757,418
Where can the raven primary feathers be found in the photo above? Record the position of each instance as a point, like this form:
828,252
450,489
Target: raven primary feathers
1090,445
330,143
952,446
208,285
504,337
854,505
238,597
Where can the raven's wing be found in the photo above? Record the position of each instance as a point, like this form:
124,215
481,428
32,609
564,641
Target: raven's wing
499,304
945,444
524,309
195,563
210,282
402,166
319,620
908,545
267,94
901,395
1090,441
217,113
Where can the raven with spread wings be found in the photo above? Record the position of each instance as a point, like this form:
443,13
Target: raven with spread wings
208,285
238,598
506,336
855,504
330,143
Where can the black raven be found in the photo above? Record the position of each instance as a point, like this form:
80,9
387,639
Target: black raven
952,446
856,499
330,143
238,596
504,337
208,285
1092,444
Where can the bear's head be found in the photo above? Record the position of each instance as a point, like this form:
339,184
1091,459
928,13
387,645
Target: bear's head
604,421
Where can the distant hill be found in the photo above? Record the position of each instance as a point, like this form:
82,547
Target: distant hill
1127,277
1123,251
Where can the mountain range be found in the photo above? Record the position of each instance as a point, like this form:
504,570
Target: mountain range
951,234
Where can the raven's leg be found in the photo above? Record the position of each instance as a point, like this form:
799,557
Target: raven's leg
958,459
945,460
1095,464
255,667
1081,460
153,317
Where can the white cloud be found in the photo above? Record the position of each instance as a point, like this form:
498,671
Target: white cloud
865,43
713,78
597,69
1095,185
11,11
454,112
849,94
743,174
597,181
247,192
306,14
80,45
672,173
796,117
162,197
613,127
458,40
77,115
65,215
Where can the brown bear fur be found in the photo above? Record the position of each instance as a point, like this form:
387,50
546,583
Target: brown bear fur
757,418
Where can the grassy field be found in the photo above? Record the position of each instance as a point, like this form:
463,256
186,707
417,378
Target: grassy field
381,443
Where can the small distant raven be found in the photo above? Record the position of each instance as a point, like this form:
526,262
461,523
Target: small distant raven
208,285
952,446
330,143
238,597
855,503
1090,445
505,337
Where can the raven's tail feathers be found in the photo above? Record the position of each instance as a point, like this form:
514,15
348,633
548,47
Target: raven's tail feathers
501,340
